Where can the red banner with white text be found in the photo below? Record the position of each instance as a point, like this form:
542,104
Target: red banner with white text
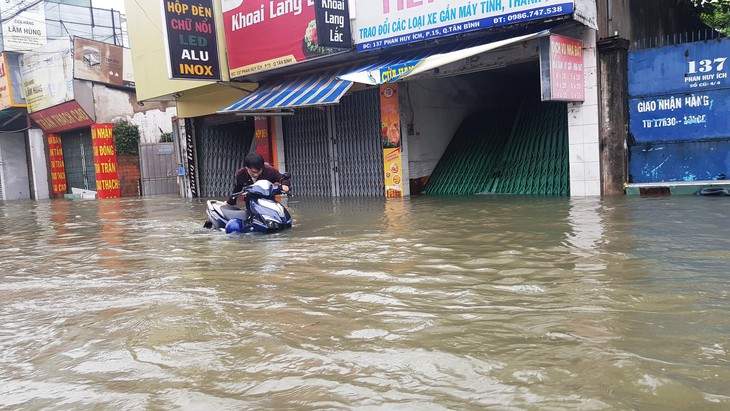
58,168
105,161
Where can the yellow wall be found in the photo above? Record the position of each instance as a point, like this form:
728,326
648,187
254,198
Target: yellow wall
144,23
209,99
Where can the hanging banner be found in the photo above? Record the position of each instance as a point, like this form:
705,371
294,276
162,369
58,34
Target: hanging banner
105,161
390,137
333,23
58,168
48,75
263,142
190,40
561,69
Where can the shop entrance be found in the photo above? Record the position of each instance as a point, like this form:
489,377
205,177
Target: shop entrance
488,132
221,147
78,157
336,151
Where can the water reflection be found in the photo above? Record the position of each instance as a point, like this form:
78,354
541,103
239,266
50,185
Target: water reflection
426,303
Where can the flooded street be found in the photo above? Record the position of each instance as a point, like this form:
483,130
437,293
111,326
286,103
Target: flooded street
427,303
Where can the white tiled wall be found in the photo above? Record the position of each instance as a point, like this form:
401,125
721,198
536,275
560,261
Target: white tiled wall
585,168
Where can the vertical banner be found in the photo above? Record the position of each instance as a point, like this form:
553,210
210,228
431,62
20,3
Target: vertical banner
190,39
190,156
390,126
58,168
263,142
561,69
105,161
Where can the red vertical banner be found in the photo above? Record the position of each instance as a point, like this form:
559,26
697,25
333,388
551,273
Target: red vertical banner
105,161
390,133
58,168
263,138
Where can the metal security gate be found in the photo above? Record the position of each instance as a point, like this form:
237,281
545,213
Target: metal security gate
308,150
78,156
221,149
158,169
336,151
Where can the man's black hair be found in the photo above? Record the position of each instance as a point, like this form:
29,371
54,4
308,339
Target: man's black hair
254,161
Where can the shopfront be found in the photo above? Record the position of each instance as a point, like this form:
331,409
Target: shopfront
470,98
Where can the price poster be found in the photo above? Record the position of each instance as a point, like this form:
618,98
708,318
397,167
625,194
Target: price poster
561,69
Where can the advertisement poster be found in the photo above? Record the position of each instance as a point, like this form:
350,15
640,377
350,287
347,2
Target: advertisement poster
25,27
105,161
100,62
390,135
561,69
263,34
190,39
58,168
388,23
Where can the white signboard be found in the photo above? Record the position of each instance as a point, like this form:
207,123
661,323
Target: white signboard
24,28
386,23
48,75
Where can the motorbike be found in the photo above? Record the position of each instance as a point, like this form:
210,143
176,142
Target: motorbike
263,214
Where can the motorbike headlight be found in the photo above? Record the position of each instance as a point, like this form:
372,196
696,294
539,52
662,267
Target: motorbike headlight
275,207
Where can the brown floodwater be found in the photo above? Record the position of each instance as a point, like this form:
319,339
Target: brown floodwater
427,303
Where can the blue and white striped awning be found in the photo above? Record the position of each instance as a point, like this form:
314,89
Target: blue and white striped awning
316,89
424,60
328,87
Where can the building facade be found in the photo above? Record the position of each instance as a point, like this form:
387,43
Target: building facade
357,98
63,76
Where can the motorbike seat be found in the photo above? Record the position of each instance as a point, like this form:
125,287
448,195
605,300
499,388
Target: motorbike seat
231,212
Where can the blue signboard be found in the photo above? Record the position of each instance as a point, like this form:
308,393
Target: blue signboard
680,93
685,68
381,24
681,117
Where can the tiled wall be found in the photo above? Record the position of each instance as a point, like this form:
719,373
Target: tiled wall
129,175
585,167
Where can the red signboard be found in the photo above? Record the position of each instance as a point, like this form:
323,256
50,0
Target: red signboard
105,161
263,142
63,117
263,35
561,59
58,168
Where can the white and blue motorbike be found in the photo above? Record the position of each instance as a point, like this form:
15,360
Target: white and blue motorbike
263,214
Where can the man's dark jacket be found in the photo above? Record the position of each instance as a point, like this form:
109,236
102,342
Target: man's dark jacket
267,173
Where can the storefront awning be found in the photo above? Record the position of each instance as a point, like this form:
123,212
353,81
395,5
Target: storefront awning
408,65
328,87
316,89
